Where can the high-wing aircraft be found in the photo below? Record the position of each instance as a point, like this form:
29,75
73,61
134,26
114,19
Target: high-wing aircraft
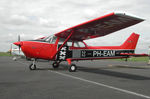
68,45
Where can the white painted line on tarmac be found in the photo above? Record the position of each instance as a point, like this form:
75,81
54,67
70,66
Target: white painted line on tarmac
99,84
104,85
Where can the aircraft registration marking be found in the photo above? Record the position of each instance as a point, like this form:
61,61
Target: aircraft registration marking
103,53
97,53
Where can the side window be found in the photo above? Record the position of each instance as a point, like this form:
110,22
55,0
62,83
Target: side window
79,44
69,43
61,41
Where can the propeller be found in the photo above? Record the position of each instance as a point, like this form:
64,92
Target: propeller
10,51
19,44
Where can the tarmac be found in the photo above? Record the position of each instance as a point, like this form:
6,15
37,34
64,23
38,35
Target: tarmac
102,79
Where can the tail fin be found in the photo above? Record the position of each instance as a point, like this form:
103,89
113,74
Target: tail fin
131,42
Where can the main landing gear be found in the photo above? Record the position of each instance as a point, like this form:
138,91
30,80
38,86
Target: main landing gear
33,65
72,67
56,64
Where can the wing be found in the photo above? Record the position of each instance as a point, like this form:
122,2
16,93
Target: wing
100,26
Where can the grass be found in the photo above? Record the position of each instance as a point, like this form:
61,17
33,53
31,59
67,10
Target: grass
5,54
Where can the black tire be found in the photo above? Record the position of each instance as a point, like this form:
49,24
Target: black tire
72,68
32,67
55,65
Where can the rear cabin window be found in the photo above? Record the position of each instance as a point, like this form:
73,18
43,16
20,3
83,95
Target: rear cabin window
72,43
79,44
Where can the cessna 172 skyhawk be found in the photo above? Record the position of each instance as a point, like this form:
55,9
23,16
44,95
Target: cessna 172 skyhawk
69,45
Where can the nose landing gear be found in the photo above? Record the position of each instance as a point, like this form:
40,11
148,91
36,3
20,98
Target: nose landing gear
33,65
72,67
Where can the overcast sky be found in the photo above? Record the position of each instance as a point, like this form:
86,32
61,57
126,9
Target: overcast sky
36,18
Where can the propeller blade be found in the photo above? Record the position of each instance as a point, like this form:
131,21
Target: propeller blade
18,38
19,45
19,49
10,51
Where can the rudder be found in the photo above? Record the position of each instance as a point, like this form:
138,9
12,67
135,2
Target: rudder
131,42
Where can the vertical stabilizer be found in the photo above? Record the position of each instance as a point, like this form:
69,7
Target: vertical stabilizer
131,42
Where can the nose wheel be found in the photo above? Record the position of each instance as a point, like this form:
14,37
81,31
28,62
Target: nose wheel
72,68
33,65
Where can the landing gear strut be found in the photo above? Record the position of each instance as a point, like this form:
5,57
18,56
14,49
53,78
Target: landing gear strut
33,65
56,64
72,67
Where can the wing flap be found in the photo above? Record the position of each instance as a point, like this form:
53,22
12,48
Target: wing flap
100,26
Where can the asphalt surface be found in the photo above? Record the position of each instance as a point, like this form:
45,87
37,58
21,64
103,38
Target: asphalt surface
103,79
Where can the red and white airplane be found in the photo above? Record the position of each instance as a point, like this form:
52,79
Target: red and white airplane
69,45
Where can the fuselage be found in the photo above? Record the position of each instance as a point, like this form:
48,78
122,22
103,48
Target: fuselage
76,50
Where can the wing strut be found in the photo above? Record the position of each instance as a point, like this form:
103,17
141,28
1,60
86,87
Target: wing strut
63,43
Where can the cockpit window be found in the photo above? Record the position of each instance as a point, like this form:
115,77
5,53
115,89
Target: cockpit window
61,41
50,39
72,43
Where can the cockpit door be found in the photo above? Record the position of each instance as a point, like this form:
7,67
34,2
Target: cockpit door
65,52
49,47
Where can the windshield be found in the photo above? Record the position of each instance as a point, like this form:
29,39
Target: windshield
50,39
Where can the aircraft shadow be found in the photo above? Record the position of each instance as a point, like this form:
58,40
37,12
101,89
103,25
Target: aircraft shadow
101,71
113,73
57,69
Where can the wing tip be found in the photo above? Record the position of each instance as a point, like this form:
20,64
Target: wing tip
130,15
